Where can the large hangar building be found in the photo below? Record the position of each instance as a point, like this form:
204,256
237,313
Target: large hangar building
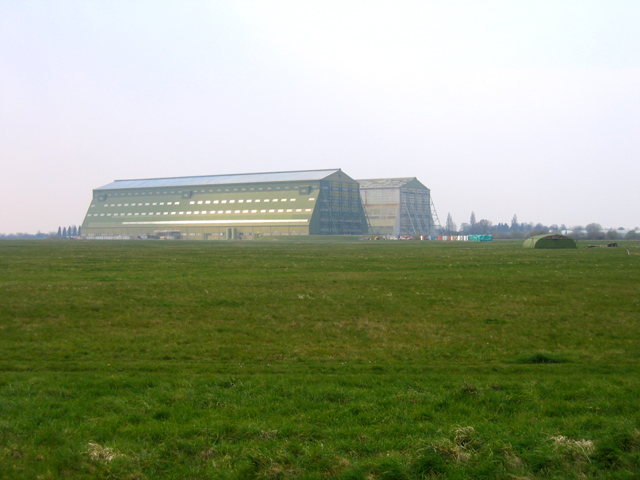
311,202
398,206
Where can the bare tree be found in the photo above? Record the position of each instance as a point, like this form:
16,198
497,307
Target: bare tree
483,226
612,235
450,226
515,226
594,231
576,232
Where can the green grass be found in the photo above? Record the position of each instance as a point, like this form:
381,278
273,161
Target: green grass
318,359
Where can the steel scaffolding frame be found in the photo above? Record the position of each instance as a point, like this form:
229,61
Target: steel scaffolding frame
344,215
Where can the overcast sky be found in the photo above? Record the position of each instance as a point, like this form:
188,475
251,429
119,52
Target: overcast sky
501,108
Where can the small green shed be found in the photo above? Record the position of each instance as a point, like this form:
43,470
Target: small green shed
550,241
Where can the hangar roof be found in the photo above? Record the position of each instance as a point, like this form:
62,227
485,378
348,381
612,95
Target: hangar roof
296,176
388,182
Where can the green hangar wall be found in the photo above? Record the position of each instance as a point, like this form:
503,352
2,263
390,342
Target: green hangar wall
311,202
398,206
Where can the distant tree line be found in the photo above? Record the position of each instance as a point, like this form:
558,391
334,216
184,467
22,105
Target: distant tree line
73,231
24,236
517,230
63,232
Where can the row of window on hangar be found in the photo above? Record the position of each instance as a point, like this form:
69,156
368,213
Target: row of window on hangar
303,190
250,200
204,212
201,202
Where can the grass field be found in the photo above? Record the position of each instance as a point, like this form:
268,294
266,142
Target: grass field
318,359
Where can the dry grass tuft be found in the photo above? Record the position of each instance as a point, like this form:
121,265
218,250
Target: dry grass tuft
97,452
577,451
465,437
511,459
585,447
449,450
13,451
268,434
469,389
462,448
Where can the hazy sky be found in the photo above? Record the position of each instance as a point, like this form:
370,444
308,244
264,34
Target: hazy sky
521,107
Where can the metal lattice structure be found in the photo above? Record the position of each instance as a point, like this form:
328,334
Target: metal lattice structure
434,216
341,210
398,206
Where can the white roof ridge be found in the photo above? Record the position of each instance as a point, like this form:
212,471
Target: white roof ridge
226,175
224,179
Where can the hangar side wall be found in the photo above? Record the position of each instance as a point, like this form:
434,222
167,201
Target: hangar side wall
339,210
415,212
382,206
397,206
203,212
318,207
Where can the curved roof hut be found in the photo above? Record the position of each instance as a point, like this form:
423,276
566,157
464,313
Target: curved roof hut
550,241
